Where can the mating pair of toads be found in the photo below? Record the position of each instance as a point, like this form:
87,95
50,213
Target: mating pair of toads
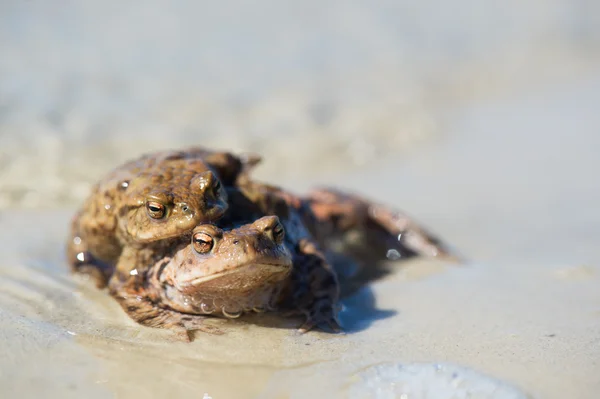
179,236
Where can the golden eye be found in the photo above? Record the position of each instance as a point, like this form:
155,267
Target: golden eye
155,210
203,243
278,233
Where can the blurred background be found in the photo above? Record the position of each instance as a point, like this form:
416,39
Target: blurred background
315,87
479,118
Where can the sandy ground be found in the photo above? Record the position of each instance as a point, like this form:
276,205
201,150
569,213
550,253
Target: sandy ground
480,121
525,309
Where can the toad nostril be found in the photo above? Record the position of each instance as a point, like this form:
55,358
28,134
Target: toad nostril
268,223
277,233
236,242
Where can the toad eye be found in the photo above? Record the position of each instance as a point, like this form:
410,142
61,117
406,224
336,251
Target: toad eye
155,210
202,242
278,233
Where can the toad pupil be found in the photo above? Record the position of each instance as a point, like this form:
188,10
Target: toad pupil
154,208
203,243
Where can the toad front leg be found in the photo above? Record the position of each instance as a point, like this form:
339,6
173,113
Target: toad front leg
131,287
82,261
313,290
147,313
393,234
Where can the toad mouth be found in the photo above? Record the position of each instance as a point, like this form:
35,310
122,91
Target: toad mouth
262,267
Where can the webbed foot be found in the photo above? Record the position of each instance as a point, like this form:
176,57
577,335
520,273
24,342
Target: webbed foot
95,272
314,289
143,307
184,329
323,317
82,261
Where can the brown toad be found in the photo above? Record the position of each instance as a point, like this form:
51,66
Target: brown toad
154,282
146,202
321,224
218,273
223,272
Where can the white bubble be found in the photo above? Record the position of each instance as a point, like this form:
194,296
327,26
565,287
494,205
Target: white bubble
429,381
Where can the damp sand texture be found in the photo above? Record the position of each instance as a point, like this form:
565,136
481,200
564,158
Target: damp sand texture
479,121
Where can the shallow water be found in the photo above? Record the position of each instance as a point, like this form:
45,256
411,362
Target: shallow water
65,335
514,196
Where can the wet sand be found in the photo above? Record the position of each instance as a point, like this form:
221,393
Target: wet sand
479,121
517,197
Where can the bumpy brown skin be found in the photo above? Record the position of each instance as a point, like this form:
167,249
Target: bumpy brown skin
312,224
185,183
312,290
241,270
183,287
387,233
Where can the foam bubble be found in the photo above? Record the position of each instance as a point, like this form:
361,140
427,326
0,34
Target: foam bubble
429,381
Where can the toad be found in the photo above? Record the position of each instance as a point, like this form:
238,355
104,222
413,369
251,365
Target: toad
168,281
218,273
149,202
238,268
